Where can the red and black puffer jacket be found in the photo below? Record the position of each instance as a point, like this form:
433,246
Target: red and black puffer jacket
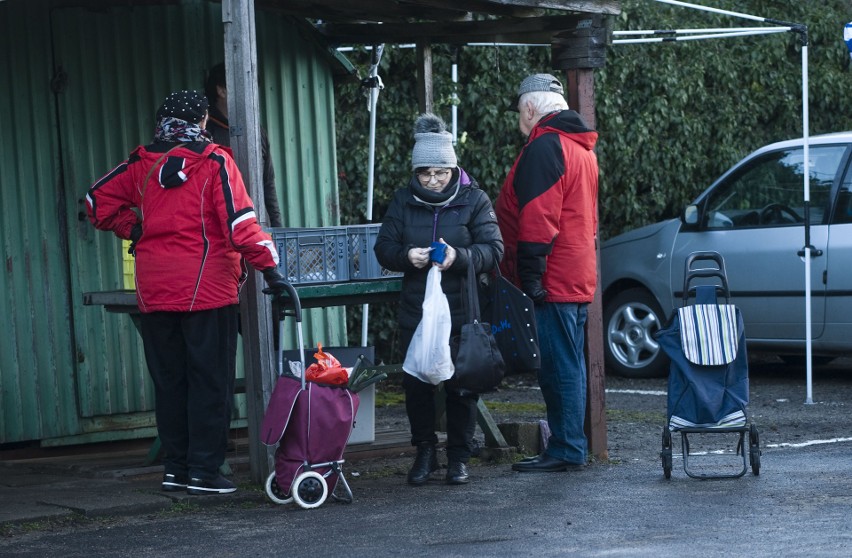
198,222
547,210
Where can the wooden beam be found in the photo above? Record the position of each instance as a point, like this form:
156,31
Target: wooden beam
365,10
506,30
433,10
609,7
244,119
425,94
583,46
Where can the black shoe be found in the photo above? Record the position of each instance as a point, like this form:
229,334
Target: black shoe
174,483
425,464
457,473
218,485
545,464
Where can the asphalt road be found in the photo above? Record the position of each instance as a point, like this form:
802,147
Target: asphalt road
799,505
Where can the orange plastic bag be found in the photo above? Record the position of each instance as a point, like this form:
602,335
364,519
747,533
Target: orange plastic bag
327,370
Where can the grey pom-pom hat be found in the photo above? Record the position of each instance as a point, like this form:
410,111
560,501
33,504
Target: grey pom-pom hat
433,144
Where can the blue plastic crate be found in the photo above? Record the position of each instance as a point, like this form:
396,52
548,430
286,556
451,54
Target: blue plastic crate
363,264
312,255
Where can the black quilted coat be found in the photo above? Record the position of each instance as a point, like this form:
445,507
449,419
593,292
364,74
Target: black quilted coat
467,223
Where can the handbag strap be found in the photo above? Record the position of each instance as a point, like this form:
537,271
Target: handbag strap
472,298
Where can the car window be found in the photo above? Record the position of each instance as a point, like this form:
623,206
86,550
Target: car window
767,192
843,213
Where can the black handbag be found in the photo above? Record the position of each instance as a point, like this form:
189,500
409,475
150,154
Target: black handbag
479,366
512,315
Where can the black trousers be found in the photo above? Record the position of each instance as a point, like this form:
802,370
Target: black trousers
191,357
420,408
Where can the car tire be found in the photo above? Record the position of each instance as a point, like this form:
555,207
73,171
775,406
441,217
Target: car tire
630,320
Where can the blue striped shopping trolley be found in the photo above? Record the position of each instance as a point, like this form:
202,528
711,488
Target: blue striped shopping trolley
708,387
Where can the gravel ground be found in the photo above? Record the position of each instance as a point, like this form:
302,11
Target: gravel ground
636,409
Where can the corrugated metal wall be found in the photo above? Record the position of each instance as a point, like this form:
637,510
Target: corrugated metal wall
117,65
67,369
37,392
297,100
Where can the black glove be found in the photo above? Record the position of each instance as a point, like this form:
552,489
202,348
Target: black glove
535,291
277,285
531,268
135,235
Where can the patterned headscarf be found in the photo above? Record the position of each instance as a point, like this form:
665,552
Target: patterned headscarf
179,116
170,129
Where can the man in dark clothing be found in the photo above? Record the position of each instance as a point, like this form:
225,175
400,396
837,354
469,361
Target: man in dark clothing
217,95
547,211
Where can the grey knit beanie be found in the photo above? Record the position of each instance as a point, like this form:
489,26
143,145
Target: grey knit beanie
433,144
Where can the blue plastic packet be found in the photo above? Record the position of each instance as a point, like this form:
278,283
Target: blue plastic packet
439,250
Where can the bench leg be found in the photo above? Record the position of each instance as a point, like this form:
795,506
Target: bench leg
493,436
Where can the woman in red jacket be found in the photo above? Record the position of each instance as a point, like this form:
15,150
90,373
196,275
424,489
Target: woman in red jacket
197,226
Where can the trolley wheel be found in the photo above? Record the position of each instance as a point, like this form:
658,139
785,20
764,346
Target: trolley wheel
310,490
754,449
274,492
666,454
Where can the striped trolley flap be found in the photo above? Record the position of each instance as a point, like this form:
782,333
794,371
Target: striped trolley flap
708,333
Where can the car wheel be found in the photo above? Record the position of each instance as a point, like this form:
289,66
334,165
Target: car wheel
630,320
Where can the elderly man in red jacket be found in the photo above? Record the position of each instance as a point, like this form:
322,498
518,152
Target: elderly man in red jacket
196,229
547,212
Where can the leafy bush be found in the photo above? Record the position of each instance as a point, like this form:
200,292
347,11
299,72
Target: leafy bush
671,116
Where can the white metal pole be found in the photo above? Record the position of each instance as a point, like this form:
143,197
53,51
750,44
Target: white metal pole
374,99
455,109
807,188
692,31
708,9
767,31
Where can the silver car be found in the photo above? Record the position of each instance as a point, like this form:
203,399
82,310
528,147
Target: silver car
754,215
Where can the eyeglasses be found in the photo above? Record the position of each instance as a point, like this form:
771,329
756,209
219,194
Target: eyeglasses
426,177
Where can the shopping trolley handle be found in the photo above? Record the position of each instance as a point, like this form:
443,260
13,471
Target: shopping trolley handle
293,300
718,272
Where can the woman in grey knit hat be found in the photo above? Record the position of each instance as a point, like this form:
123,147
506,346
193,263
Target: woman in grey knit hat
441,203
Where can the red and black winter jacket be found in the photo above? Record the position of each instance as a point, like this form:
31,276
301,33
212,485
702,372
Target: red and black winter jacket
197,222
547,210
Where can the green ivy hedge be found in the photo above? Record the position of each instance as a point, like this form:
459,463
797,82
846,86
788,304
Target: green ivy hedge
671,116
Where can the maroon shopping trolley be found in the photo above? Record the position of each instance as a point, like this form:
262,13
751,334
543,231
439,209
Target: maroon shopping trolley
310,423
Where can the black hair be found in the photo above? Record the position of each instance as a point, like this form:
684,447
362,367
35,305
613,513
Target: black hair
215,77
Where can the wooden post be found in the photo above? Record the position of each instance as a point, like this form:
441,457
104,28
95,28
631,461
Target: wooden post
580,93
244,120
424,77
578,52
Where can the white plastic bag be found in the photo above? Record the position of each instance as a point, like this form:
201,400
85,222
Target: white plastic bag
428,357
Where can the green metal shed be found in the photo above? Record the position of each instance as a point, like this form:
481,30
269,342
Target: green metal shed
79,85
